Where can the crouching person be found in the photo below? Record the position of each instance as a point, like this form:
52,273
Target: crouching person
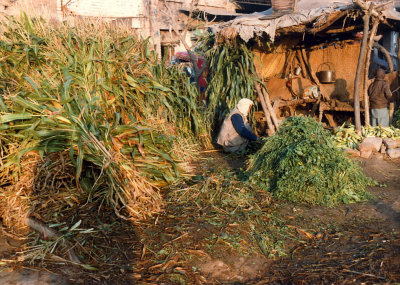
236,132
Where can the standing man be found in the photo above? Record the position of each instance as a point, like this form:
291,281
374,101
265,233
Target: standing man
379,97
236,132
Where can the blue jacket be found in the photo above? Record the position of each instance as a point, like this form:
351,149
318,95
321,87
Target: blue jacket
238,124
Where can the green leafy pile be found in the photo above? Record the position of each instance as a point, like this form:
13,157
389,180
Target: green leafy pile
300,163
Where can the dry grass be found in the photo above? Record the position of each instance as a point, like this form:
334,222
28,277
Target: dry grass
16,199
226,35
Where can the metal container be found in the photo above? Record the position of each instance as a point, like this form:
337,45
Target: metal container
326,76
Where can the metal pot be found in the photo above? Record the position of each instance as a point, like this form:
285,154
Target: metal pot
326,76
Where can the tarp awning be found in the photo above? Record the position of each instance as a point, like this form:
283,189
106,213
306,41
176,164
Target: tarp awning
216,12
256,24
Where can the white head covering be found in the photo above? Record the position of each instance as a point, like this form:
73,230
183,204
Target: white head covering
243,106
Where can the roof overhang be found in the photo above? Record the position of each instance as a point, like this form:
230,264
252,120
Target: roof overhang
215,12
309,12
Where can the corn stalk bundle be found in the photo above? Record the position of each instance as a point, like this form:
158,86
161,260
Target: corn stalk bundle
345,136
97,94
232,78
300,163
182,103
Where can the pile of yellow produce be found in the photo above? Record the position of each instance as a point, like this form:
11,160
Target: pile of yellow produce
347,137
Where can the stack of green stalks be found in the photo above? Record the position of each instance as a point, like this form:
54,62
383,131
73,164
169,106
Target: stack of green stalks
232,78
98,94
301,163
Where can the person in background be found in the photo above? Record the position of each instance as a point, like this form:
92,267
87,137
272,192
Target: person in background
379,97
236,132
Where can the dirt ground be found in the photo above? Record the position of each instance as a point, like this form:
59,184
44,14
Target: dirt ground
350,244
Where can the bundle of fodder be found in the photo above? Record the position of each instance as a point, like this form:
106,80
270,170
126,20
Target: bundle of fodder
96,93
300,163
232,77
346,136
183,106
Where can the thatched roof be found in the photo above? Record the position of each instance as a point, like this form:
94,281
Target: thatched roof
315,13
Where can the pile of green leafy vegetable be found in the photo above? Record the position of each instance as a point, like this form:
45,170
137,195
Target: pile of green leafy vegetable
300,163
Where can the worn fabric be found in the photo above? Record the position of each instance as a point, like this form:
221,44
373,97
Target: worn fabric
238,148
244,106
379,91
380,117
239,126
307,12
228,137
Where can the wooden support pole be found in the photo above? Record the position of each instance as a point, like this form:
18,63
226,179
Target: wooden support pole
271,128
357,116
288,64
276,104
311,73
366,69
302,65
332,18
321,110
270,108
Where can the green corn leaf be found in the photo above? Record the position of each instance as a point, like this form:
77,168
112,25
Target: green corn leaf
14,117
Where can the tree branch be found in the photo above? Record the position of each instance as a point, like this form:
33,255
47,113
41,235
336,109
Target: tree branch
387,55
370,44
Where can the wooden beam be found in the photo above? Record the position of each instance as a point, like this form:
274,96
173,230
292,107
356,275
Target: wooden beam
332,18
341,30
366,69
276,103
331,120
288,63
269,107
302,64
357,116
300,29
271,128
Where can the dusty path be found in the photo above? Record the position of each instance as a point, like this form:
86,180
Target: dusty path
359,243
347,244
350,244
